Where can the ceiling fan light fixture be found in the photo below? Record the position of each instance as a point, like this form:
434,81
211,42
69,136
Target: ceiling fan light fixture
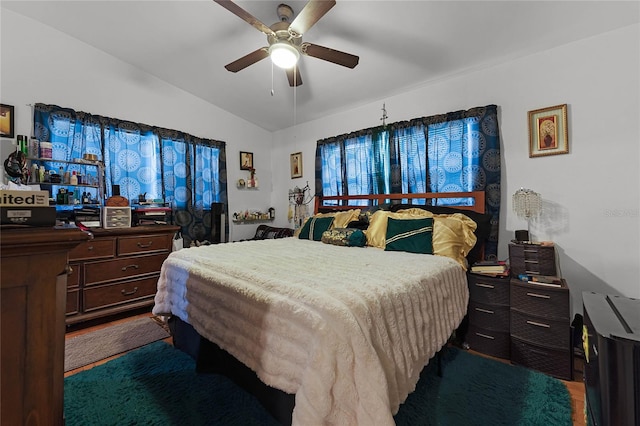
283,54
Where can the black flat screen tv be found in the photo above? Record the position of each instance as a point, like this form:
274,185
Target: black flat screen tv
611,342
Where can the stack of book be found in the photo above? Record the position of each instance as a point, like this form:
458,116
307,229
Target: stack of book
546,280
496,268
151,215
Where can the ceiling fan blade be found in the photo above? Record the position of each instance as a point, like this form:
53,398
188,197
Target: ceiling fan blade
337,57
293,74
246,16
309,15
247,60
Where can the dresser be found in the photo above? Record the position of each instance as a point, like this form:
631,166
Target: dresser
541,329
33,285
488,314
116,271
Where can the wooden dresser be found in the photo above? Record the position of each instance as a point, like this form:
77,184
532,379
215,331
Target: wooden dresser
33,286
116,271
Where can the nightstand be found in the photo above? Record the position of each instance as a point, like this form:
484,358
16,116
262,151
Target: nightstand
532,259
488,312
541,329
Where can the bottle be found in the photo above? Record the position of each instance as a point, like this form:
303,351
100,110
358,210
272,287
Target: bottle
35,175
74,179
41,174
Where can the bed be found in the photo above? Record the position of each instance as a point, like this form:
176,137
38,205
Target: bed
323,333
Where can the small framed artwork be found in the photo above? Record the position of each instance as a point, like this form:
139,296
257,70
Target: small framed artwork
246,160
6,121
548,133
296,165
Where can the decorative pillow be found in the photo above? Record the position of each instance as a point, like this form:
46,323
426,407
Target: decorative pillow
453,236
377,231
482,220
314,227
348,237
411,235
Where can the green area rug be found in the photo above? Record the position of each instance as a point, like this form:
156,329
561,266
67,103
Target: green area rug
157,385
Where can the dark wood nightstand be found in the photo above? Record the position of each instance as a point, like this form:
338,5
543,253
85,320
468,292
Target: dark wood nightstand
541,329
488,313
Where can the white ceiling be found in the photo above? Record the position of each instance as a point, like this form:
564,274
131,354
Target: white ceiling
401,44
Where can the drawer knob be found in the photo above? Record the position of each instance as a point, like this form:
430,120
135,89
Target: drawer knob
129,293
540,296
134,266
486,336
485,285
144,245
538,324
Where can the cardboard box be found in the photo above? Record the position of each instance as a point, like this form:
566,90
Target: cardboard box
10,198
31,216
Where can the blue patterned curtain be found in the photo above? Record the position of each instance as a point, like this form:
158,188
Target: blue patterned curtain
187,172
454,152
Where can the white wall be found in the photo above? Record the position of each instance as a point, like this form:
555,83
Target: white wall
591,196
44,65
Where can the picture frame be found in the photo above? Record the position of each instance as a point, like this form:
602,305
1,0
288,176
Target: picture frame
296,165
548,134
246,160
7,120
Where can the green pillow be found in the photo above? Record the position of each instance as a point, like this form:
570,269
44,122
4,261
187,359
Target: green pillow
314,227
411,235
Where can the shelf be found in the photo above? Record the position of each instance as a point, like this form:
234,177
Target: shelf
80,185
249,221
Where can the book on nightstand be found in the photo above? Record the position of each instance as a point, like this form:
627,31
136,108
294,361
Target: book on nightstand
491,267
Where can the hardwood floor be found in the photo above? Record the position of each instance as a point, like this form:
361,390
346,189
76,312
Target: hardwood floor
575,387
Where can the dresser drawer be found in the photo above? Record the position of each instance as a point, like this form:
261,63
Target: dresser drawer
532,259
555,362
544,331
494,291
128,267
492,317
94,249
144,244
490,342
73,302
104,296
541,301
73,279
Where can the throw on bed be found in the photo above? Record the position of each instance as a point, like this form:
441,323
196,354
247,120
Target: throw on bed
345,329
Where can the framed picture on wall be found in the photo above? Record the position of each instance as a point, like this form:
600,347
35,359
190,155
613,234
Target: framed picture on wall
6,121
246,160
548,133
296,165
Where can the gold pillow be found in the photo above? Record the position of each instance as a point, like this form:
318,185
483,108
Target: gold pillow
377,230
453,236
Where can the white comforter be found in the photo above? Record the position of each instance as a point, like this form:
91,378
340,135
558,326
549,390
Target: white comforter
345,329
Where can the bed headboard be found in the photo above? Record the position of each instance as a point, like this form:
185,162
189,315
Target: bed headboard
377,199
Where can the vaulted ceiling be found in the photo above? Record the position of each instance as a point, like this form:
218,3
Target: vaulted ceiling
401,45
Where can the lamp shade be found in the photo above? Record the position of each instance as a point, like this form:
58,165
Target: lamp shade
283,54
527,203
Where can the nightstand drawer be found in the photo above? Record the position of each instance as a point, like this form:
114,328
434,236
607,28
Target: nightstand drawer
557,363
544,331
489,342
494,291
532,259
104,296
143,244
492,317
541,301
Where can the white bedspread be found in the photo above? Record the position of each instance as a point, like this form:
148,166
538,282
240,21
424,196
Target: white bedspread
345,329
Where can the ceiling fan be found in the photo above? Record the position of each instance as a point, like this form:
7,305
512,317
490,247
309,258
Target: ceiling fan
285,39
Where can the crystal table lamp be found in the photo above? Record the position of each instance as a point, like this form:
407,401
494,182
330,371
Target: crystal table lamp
527,204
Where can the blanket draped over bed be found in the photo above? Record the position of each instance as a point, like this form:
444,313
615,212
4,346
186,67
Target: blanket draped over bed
345,329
